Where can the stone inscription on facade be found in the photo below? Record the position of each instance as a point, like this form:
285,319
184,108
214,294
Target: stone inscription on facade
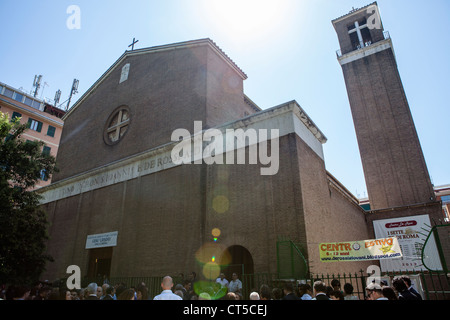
109,175
288,118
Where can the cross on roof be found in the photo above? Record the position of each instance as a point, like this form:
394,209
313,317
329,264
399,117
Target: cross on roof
132,44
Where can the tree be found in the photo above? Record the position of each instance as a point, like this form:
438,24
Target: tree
23,224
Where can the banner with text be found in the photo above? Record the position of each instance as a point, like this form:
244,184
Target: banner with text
411,233
385,248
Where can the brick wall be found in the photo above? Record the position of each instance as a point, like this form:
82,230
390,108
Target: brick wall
164,91
394,166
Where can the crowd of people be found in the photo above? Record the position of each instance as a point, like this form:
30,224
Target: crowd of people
221,289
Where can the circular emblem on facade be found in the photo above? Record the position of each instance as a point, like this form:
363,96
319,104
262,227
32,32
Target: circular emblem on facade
356,246
117,125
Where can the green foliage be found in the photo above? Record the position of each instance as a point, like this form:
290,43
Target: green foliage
23,226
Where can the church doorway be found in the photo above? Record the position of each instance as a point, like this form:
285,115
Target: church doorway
241,262
100,262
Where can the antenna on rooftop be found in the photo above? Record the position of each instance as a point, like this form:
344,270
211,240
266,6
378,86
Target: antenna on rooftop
37,84
57,97
73,91
45,84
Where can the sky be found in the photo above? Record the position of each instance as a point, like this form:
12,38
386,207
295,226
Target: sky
287,48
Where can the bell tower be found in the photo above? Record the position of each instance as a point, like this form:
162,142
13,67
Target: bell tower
394,166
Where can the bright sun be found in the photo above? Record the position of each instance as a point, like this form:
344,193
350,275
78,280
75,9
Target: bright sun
247,18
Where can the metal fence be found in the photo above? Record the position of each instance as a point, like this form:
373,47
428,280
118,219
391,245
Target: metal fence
432,285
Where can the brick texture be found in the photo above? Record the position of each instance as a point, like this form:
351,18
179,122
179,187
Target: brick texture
392,158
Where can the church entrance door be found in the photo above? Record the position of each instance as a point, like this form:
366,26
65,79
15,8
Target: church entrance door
241,262
100,262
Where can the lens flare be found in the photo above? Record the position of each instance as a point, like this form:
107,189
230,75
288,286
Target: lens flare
211,270
216,232
220,204
213,249
210,287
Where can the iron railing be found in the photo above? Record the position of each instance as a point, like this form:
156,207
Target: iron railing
386,36
433,285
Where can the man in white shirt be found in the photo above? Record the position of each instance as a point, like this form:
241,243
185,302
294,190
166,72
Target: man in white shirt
235,285
223,282
167,294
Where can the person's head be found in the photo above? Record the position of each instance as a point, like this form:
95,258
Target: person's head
254,296
336,284
407,280
74,294
374,291
92,288
329,290
141,292
120,288
187,284
234,276
304,288
288,288
264,292
348,288
389,293
319,287
336,295
230,296
277,293
99,291
167,283
110,290
222,276
178,286
127,294
399,284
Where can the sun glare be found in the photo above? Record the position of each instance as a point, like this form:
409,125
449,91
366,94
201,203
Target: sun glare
247,18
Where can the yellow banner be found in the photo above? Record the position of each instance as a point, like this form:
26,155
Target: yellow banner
386,248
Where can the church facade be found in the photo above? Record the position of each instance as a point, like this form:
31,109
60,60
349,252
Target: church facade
150,184
122,206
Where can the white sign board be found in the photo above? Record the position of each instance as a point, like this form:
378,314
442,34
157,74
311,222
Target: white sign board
102,240
411,233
